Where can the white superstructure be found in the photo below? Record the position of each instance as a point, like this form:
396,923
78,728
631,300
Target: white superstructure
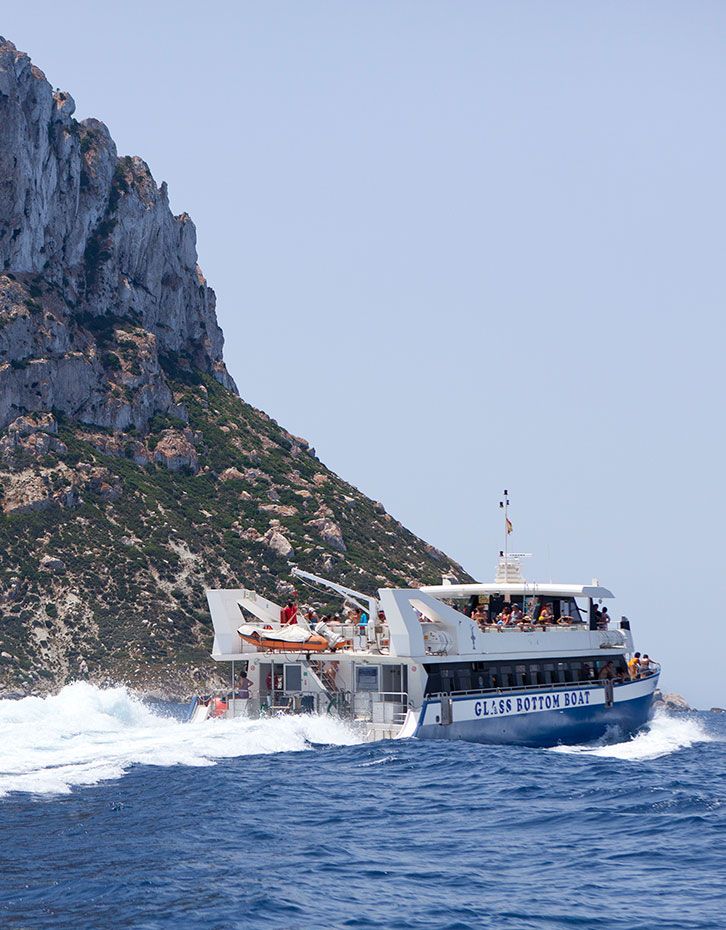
506,661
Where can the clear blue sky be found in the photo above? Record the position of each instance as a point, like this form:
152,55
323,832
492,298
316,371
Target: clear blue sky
461,246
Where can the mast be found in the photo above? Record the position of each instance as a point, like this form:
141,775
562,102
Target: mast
504,505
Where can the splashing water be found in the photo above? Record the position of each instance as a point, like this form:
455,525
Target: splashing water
85,735
665,734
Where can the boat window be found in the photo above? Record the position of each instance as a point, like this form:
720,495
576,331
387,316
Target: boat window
293,678
564,674
433,683
366,678
506,676
481,680
568,609
393,680
491,676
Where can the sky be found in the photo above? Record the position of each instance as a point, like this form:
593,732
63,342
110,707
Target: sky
461,246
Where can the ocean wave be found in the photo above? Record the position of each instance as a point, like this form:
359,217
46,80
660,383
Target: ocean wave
84,735
665,734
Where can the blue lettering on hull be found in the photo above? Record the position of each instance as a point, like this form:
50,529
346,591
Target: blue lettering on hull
569,718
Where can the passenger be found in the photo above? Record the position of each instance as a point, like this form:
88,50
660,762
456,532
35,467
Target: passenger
331,672
634,666
622,673
504,618
312,618
607,672
645,663
243,685
545,617
288,614
517,614
604,618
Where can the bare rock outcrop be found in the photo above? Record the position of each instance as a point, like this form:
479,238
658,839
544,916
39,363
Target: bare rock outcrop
278,543
176,450
671,701
330,533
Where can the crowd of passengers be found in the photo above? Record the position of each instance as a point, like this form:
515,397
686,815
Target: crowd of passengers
354,616
539,617
640,666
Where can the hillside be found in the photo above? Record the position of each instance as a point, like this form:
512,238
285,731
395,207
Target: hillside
132,475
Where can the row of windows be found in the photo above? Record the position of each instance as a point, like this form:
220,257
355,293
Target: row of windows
490,676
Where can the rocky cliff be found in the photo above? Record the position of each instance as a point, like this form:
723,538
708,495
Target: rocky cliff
92,255
131,473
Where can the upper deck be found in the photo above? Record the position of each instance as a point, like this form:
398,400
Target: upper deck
439,622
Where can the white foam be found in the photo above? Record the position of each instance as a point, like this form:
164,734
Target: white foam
85,735
665,734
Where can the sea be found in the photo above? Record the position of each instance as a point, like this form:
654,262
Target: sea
116,813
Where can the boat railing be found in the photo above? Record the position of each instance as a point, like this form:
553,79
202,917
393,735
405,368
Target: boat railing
558,685
380,706
373,706
537,627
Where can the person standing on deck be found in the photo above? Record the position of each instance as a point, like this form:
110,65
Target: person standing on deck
243,685
288,614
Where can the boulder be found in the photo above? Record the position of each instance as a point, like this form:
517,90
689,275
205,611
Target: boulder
25,493
330,533
175,450
281,510
231,474
278,543
50,563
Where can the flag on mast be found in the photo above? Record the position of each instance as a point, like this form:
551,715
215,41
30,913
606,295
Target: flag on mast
509,526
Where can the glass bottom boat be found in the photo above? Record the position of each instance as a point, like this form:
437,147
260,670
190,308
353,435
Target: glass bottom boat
509,661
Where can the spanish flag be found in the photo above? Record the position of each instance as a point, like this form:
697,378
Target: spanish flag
509,526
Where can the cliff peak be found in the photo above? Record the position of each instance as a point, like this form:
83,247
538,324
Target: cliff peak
86,235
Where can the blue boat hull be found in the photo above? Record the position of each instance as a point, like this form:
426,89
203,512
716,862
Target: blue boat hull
566,725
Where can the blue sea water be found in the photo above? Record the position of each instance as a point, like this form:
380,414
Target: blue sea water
118,815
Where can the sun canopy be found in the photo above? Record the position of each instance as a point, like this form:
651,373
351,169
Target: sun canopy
520,587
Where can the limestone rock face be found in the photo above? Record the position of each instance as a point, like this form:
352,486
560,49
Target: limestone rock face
99,281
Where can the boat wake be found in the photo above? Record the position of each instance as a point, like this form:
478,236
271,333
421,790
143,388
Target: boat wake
84,735
664,735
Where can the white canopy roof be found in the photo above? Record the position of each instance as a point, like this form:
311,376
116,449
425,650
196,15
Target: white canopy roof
520,587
